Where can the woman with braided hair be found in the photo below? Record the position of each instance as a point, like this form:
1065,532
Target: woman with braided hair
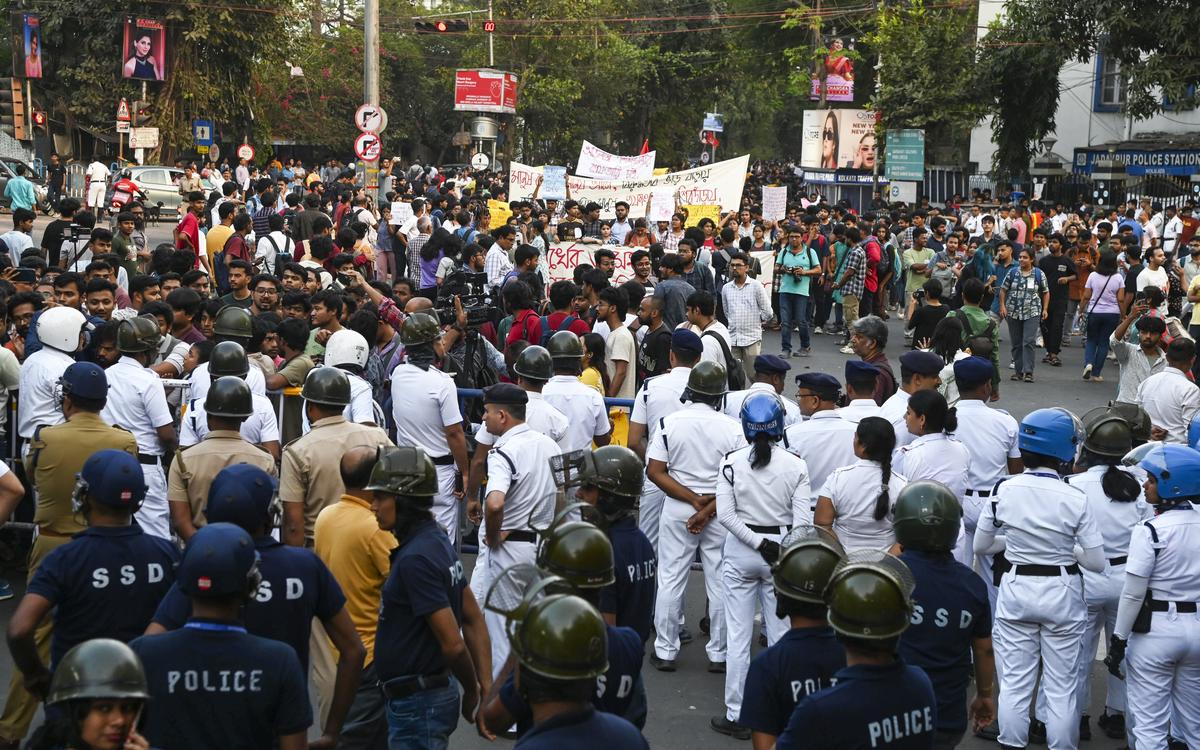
856,501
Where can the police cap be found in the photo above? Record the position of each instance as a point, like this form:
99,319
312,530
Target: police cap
823,384
684,340
973,371
922,363
505,393
858,371
85,380
241,495
771,364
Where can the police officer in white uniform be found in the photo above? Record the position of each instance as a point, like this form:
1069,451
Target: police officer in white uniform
520,499
824,440
1157,618
770,376
348,350
762,492
991,438
533,368
658,397
1115,497
425,408
919,371
137,402
1038,520
231,324
60,329
860,392
583,406
933,454
683,461
261,428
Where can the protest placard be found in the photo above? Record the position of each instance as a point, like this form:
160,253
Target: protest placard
599,164
554,183
662,204
499,213
696,213
774,203
401,212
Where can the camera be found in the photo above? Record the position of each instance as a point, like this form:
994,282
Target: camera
471,288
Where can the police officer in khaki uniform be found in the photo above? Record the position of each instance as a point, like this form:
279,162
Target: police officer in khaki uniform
310,478
226,406
56,455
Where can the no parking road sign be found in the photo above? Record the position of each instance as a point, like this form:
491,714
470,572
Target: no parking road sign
367,146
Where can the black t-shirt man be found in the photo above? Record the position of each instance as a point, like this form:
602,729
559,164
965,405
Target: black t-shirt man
654,357
1056,267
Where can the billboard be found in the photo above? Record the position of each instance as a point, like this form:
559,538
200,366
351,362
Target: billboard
839,73
484,90
144,50
838,139
27,47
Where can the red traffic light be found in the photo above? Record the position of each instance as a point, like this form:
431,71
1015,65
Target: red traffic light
489,26
39,119
441,26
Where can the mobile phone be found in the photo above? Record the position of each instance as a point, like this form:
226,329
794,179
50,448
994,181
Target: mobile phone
1139,297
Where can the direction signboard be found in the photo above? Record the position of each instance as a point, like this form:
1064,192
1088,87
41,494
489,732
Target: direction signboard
904,155
367,146
202,132
370,118
245,151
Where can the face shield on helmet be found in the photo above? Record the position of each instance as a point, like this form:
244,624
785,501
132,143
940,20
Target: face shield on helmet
519,587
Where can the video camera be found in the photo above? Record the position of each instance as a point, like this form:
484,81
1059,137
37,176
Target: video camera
471,288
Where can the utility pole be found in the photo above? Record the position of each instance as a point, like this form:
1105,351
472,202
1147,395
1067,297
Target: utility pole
491,49
371,83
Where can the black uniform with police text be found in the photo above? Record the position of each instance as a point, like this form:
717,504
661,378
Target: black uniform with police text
631,596
804,661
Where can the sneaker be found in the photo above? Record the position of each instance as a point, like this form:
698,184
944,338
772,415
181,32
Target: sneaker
1087,373
1011,366
786,353
819,330
805,352
1097,378
724,726
6,591
846,350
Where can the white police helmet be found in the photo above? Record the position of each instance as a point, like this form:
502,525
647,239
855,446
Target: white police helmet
59,328
346,347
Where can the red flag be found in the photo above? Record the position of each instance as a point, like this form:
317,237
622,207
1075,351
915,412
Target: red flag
645,147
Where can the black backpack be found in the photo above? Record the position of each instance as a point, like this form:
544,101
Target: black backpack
734,374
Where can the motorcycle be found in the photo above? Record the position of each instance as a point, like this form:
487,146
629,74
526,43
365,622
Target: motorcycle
124,192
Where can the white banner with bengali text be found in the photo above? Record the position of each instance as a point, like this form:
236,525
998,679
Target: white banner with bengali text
563,257
599,164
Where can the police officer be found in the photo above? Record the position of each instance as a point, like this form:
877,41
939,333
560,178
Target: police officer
519,498
860,387
231,324
808,656
1037,520
431,639
658,397
990,436
310,476
919,371
348,350
583,406
60,329
561,648
56,455
1115,498
140,406
212,684
296,586
952,622
105,582
1156,619
683,461
824,440
770,376
100,691
425,408
762,492
261,426
933,453
878,699
226,407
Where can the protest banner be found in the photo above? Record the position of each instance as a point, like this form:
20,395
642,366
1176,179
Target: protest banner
401,212
597,163
499,212
563,257
715,184
554,183
696,213
662,204
774,205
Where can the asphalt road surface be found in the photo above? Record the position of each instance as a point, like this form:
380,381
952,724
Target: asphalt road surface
682,702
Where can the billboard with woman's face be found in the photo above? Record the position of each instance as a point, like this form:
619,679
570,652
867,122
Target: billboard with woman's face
144,53
838,139
27,46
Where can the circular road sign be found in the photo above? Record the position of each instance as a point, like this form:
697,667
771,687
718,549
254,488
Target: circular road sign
480,161
370,118
367,146
245,151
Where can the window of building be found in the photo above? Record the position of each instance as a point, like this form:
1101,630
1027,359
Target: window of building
1110,85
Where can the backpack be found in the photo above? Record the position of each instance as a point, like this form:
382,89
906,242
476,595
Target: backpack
566,323
282,257
734,374
988,331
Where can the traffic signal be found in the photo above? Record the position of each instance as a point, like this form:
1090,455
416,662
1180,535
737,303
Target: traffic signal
40,120
141,113
489,26
14,117
443,26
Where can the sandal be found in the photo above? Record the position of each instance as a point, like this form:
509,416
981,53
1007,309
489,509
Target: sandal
1015,376
1055,361
1029,377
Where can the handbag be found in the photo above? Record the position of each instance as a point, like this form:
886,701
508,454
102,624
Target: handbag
1080,322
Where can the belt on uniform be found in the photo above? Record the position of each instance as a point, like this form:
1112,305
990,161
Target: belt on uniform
1046,570
521,535
1118,560
1157,605
445,460
768,529
403,687
979,493
148,459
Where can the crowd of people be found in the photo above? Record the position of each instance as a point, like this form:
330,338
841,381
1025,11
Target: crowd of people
909,558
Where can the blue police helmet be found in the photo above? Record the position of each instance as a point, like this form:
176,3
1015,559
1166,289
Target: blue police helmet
1193,437
1176,470
114,478
762,413
220,560
85,380
241,495
1053,432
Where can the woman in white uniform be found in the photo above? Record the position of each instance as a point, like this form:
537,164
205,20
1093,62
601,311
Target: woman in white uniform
933,454
856,501
1116,502
1157,617
762,492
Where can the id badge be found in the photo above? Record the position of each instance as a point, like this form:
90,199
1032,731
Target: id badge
1030,284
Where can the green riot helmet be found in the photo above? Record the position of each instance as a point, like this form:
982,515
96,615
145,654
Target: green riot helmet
808,559
419,328
228,358
233,321
102,668
1136,416
229,396
534,363
565,345
403,470
562,637
327,385
578,552
1108,435
870,596
138,335
708,379
927,517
